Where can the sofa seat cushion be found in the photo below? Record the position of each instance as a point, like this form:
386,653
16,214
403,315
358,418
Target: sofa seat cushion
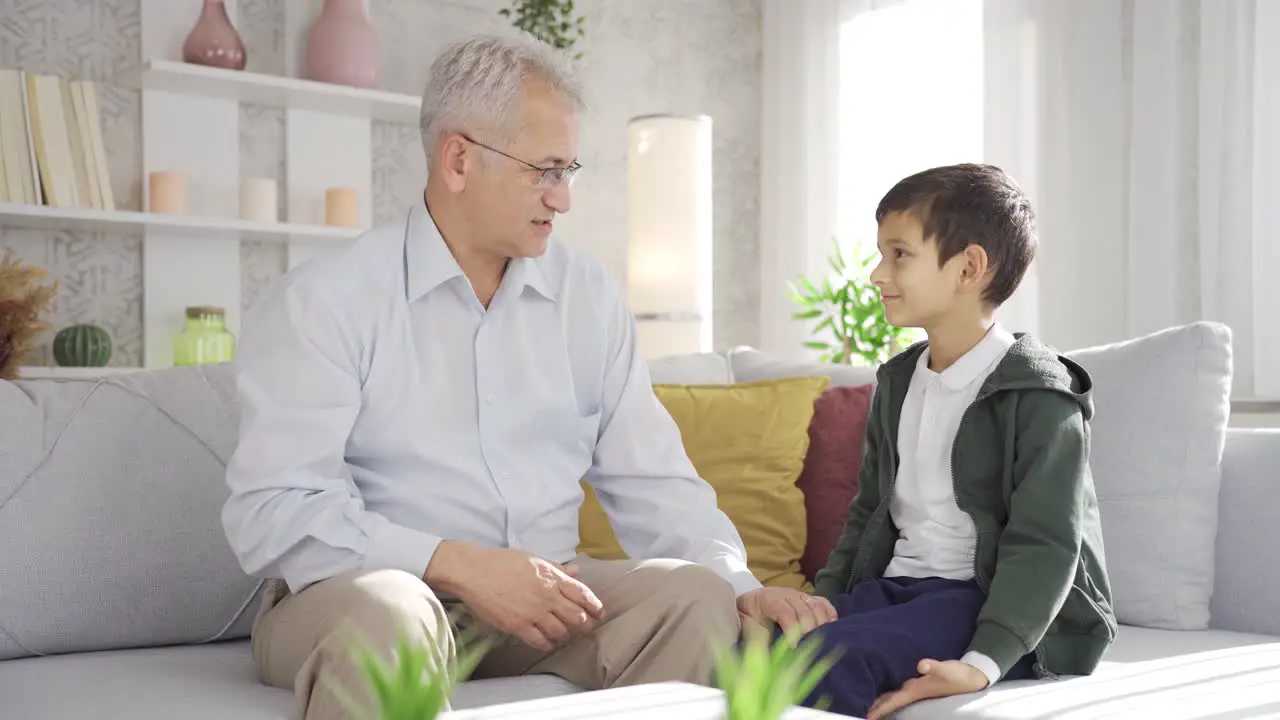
1148,673
216,681
1135,644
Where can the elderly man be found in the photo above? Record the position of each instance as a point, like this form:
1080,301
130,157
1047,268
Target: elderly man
418,411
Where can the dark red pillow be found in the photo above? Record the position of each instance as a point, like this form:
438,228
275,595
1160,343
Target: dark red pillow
830,476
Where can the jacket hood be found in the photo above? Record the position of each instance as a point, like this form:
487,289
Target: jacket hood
1028,365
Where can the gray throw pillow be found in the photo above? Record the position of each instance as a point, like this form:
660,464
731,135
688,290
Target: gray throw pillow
1162,402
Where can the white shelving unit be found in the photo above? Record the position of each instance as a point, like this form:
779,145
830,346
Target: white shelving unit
281,92
42,217
36,372
191,124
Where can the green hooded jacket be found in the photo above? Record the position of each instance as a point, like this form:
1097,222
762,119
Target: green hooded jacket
1020,469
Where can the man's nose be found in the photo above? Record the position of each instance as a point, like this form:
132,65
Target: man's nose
558,197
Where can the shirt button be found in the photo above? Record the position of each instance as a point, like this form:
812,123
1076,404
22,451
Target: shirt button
489,398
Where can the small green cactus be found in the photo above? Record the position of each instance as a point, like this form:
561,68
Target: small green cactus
82,346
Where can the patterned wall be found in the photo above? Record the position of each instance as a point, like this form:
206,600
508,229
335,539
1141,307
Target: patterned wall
681,56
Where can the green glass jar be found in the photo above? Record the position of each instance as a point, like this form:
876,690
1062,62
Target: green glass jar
205,340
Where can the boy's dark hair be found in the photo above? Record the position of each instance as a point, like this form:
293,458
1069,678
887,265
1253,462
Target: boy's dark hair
970,204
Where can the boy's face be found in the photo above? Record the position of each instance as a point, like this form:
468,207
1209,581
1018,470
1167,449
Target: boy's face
915,290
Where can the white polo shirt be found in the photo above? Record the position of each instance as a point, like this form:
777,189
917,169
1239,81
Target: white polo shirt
937,538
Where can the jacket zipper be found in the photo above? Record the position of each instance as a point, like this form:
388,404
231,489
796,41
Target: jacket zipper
1038,667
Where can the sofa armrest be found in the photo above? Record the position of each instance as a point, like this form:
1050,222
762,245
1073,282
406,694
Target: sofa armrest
1246,591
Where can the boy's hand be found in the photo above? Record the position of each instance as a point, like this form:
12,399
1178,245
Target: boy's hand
937,679
786,607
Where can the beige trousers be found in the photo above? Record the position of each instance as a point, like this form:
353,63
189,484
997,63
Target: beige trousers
663,619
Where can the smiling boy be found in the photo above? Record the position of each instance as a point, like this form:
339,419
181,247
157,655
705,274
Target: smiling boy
973,550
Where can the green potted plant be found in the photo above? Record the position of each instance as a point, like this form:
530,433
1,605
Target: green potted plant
410,686
762,680
851,325
551,21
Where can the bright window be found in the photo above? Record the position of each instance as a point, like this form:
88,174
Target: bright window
911,98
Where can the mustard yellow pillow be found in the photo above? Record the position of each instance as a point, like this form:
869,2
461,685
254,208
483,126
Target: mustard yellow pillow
748,441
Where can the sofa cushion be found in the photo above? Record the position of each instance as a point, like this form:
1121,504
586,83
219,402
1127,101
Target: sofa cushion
110,499
1139,644
748,441
1246,576
206,682
690,369
1147,674
1162,403
748,364
830,477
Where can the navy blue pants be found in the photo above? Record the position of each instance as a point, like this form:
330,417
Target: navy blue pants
886,626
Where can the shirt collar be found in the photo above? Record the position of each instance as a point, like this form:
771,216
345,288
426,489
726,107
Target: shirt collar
527,273
429,264
972,365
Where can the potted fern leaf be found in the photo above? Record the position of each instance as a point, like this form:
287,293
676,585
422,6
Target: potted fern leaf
851,325
762,680
410,686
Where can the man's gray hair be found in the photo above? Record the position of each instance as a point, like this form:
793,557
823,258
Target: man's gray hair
475,84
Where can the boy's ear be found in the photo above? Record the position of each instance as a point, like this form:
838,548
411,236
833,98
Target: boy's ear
974,273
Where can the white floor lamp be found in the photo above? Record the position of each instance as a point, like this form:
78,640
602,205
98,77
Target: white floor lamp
669,277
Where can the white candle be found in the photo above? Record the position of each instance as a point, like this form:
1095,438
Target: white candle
258,200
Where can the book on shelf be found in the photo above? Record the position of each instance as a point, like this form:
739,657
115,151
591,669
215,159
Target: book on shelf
51,148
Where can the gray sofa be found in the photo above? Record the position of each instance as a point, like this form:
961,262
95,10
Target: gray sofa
119,597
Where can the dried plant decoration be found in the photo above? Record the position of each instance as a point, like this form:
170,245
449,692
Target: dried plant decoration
24,297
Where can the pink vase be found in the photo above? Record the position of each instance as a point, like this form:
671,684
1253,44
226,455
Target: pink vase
342,46
213,41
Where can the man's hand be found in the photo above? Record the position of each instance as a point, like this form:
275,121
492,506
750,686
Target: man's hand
937,679
533,599
786,607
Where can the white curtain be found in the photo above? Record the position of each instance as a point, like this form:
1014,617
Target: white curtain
800,56
799,152
1149,134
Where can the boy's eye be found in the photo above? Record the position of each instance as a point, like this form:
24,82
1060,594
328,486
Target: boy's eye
899,253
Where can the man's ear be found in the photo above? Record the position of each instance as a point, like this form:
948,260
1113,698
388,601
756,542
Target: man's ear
454,158
973,275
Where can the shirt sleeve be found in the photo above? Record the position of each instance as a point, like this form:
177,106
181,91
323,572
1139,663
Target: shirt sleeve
295,511
983,663
655,500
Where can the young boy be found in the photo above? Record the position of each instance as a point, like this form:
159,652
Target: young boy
973,551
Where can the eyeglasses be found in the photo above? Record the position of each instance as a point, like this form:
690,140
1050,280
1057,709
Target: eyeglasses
547,177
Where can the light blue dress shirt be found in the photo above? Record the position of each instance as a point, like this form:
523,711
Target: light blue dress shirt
384,409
